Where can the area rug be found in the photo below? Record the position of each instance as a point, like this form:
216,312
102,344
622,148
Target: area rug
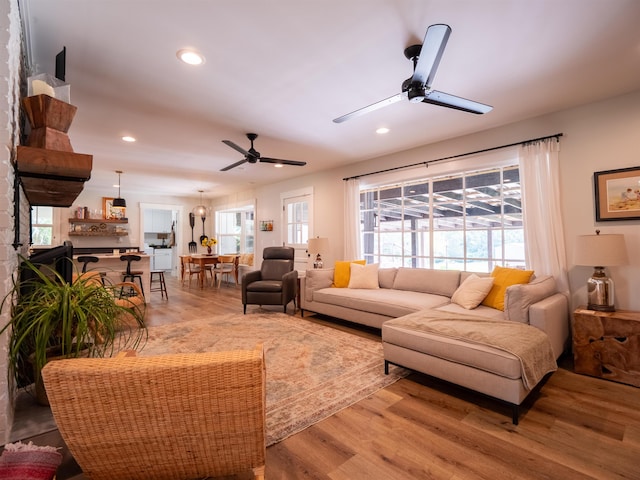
313,371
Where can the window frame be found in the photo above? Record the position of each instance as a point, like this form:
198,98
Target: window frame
246,232
413,242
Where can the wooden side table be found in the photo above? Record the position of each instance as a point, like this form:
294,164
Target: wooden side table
607,344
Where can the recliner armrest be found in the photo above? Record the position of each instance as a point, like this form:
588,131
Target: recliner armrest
252,276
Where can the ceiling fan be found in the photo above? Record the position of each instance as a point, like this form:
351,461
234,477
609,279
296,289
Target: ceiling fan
426,58
253,156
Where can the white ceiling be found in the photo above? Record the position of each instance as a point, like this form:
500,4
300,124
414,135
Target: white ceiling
285,68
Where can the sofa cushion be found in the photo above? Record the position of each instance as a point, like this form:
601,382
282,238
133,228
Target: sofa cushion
316,279
364,276
392,303
472,291
518,298
483,357
479,311
386,276
343,272
426,280
504,278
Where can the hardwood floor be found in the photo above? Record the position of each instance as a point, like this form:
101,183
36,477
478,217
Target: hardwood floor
578,427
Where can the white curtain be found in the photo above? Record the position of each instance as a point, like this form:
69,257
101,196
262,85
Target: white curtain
352,219
544,233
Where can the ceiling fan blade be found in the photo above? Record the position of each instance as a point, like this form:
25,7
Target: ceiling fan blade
372,107
435,41
233,165
451,101
283,162
236,147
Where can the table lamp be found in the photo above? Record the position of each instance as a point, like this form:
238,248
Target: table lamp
316,247
600,251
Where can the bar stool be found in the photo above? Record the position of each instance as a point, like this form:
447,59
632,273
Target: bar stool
131,275
86,260
160,279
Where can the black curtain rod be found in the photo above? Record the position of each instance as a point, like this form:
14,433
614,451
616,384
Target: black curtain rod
556,136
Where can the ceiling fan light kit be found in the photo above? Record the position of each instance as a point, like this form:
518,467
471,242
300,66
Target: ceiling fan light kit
253,156
417,89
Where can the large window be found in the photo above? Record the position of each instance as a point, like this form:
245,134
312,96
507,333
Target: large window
235,230
467,221
42,225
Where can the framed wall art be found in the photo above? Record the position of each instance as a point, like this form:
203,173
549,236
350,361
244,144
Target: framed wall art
111,212
617,194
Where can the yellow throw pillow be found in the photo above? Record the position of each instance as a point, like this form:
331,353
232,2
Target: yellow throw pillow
503,278
342,272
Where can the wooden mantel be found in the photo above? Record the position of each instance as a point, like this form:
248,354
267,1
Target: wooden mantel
50,172
51,177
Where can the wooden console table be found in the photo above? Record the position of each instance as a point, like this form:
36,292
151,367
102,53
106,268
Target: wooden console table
607,344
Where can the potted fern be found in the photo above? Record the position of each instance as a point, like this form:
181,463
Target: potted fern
51,318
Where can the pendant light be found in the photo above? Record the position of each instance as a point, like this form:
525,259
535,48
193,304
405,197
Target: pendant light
119,202
200,210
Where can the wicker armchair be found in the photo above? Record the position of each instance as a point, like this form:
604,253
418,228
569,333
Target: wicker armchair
173,417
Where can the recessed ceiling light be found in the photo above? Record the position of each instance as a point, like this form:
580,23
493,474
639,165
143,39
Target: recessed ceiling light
129,139
278,165
382,130
190,56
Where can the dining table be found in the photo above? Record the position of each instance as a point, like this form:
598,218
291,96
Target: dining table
202,260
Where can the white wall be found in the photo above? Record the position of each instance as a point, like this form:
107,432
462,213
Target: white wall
596,137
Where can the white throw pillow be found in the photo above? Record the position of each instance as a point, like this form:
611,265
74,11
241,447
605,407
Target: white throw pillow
364,276
472,291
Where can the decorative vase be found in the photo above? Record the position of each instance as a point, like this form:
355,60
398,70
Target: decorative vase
208,250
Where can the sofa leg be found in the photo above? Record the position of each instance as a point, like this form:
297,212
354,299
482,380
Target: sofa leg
515,413
244,305
284,309
301,313
386,367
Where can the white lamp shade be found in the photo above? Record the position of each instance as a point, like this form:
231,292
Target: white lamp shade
318,245
600,250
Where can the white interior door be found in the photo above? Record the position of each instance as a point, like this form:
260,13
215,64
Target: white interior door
297,216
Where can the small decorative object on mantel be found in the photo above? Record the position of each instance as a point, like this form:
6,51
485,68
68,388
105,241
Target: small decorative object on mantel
617,194
266,225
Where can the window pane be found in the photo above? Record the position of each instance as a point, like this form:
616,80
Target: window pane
42,235
468,221
42,225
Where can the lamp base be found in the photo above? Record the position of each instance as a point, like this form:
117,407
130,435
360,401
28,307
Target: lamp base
600,292
601,308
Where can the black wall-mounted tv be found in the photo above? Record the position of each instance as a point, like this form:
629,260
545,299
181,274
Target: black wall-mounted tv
58,258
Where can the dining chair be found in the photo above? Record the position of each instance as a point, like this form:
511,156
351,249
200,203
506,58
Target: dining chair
191,268
226,265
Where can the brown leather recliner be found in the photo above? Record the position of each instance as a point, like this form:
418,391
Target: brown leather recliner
276,281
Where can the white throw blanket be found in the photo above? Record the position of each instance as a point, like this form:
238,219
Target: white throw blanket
529,344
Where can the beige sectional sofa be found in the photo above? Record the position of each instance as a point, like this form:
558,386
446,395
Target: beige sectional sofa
418,298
